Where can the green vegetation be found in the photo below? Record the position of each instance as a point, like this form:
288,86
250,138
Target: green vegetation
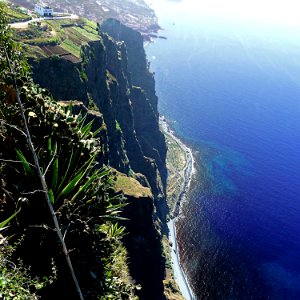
92,105
131,187
71,47
36,34
15,280
67,34
34,51
17,15
176,161
82,194
87,32
110,77
118,127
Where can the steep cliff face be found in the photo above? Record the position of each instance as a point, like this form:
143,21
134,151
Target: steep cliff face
147,263
144,98
137,62
88,81
105,78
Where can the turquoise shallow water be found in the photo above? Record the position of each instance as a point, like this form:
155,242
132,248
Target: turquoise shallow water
233,92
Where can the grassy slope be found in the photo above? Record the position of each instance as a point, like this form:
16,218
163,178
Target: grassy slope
67,34
176,161
131,187
15,15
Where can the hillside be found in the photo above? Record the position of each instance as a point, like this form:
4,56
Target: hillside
75,60
135,14
63,38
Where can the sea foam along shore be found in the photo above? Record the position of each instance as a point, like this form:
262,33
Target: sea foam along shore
188,171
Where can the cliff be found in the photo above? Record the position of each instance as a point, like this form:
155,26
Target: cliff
111,75
143,96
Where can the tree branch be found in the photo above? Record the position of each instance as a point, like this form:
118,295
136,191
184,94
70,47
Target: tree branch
33,192
14,161
66,232
13,126
52,159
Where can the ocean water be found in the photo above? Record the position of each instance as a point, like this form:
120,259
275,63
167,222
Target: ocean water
232,90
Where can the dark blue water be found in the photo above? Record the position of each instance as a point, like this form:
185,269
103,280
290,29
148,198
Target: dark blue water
233,92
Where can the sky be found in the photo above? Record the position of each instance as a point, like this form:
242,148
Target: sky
271,11
279,12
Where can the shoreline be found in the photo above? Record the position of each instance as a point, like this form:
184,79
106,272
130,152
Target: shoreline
188,172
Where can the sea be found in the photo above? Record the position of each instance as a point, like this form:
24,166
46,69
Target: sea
231,90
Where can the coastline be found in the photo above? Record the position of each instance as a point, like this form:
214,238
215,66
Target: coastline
187,174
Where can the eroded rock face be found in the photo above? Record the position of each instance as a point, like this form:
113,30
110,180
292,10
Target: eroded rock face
143,244
143,96
137,61
114,77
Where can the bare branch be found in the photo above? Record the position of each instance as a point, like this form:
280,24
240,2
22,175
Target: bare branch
43,181
7,193
51,161
10,263
13,126
14,161
66,232
44,226
10,160
33,192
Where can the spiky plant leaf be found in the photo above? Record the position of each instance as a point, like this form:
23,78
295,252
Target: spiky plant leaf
5,222
85,186
87,129
71,185
51,196
24,162
96,132
54,173
70,108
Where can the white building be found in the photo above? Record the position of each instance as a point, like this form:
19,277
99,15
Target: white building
44,11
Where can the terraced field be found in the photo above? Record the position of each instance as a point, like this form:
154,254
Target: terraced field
16,15
62,38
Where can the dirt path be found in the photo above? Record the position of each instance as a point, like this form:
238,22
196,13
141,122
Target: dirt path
24,25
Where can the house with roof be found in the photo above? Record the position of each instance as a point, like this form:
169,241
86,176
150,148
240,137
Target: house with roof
44,11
